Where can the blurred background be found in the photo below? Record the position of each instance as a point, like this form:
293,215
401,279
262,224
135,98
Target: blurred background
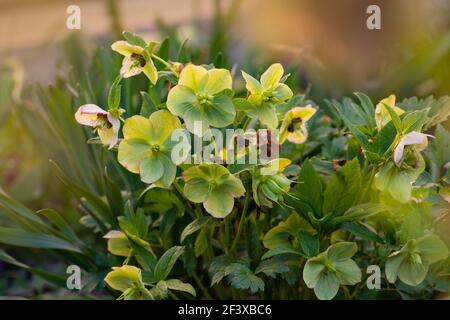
48,70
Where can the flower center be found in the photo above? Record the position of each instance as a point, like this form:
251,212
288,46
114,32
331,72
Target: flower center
296,124
155,148
138,60
204,99
102,122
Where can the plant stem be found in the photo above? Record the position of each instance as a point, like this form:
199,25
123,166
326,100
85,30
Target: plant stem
164,62
201,286
241,223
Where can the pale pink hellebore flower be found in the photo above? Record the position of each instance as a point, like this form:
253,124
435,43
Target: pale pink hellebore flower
417,139
106,124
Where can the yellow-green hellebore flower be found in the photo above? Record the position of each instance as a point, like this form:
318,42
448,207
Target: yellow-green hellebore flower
214,186
266,94
147,146
416,139
201,98
269,184
327,271
382,116
128,280
106,124
411,263
118,243
136,60
293,127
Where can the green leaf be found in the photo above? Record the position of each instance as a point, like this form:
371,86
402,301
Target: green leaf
194,226
166,262
241,277
178,285
134,39
395,118
53,278
343,189
412,226
21,238
147,107
368,107
362,231
201,242
272,266
310,244
309,188
114,94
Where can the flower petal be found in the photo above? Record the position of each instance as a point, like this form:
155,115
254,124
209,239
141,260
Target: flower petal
137,127
88,114
272,76
268,116
191,76
180,99
150,71
131,152
151,169
218,80
304,113
129,68
283,92
252,85
162,124
126,49
218,204
196,190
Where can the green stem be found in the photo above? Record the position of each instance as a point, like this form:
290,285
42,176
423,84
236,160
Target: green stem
164,62
241,223
201,286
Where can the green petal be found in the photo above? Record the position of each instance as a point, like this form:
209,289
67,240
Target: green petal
163,123
341,251
181,99
170,171
272,76
218,204
393,264
252,85
191,76
283,92
327,286
137,127
151,72
151,169
268,116
123,278
196,122
412,273
400,186
234,187
221,113
348,272
196,190
431,248
125,49
217,81
312,271
131,152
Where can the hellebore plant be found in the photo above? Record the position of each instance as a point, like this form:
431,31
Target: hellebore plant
202,98
332,268
104,122
214,186
266,94
146,147
314,193
137,59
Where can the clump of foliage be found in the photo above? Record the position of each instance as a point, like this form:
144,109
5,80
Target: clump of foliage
355,184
